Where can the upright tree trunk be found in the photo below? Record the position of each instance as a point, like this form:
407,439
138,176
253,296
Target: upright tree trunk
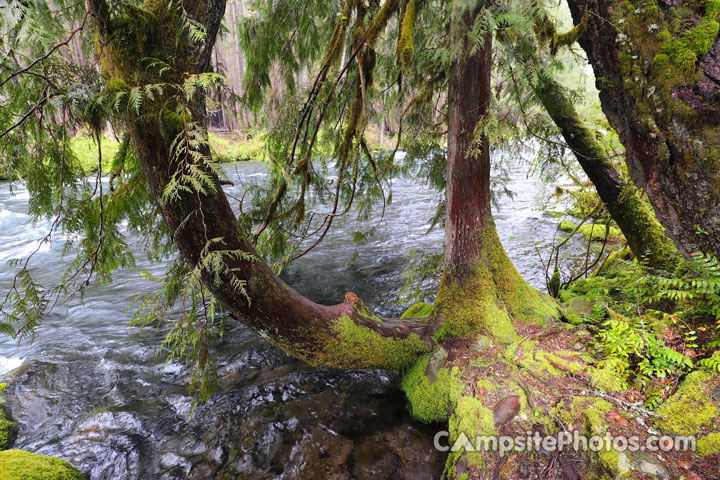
468,163
480,290
645,236
656,67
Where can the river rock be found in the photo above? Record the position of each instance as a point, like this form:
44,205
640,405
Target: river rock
481,343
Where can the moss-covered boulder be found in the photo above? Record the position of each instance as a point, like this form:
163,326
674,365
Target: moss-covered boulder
432,389
8,429
22,465
598,232
418,310
8,432
577,310
691,410
567,226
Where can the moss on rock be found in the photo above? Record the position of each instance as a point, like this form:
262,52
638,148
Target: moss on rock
8,429
22,465
432,402
709,444
8,433
693,395
567,226
598,232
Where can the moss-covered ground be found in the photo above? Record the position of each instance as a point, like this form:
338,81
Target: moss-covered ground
550,377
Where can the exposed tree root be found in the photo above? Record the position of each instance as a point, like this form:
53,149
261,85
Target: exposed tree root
546,382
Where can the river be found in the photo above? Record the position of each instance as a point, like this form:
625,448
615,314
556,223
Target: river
91,390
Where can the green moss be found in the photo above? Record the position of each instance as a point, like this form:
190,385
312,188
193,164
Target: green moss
568,38
606,378
86,152
542,362
704,37
8,433
709,444
567,226
405,47
357,346
684,59
116,85
694,396
432,403
8,429
21,465
660,61
598,232
490,296
554,285
469,420
418,310
712,10
554,214
610,463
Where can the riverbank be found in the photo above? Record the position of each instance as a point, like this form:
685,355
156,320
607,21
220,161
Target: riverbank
225,147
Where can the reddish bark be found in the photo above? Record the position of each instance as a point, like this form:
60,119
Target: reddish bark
468,162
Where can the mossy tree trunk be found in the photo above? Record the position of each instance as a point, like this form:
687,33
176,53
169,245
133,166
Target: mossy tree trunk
480,290
203,224
645,236
657,68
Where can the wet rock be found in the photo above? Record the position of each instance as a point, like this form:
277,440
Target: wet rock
286,421
416,457
109,444
371,461
506,409
716,394
568,469
435,363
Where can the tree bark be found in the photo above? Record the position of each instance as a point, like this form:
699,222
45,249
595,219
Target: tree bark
645,236
468,161
657,72
343,335
481,291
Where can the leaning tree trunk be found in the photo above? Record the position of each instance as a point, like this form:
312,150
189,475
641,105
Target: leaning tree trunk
203,224
516,381
644,234
657,66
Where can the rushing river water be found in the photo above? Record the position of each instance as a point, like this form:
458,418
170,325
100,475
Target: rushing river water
91,390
